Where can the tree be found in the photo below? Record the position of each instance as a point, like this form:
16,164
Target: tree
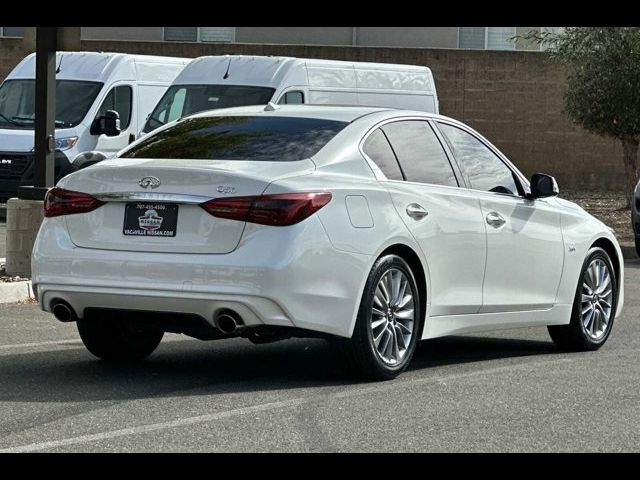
603,84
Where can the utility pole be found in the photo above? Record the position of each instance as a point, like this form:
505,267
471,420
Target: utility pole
44,135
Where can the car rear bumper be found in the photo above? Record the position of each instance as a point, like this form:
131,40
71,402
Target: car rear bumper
289,276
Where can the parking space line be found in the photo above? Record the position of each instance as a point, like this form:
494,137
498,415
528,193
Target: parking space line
182,422
39,344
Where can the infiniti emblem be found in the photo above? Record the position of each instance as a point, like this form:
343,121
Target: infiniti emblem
146,182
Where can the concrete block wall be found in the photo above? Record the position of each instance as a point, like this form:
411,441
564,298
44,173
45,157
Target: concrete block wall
512,97
23,222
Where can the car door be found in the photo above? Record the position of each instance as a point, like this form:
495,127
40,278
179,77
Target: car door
525,250
444,219
120,99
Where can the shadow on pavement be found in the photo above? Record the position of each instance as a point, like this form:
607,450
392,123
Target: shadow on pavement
194,368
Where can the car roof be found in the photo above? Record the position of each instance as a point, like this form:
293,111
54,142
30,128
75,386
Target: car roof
344,113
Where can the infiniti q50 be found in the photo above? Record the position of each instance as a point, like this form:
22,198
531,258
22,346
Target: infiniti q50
372,227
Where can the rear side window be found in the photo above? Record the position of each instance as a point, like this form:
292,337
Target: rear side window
483,168
267,139
378,149
420,153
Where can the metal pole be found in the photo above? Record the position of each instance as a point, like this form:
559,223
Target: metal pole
45,98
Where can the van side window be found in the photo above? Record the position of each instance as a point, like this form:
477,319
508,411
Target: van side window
378,149
420,153
483,169
292,98
120,100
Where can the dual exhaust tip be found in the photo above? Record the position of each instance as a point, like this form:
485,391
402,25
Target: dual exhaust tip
63,311
227,321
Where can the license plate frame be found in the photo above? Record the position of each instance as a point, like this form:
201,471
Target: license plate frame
150,219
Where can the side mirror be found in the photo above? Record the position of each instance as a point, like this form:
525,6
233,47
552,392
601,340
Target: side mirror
543,186
86,159
109,124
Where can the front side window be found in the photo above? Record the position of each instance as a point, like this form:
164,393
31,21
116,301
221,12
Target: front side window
419,152
483,169
182,100
377,148
18,102
118,99
266,139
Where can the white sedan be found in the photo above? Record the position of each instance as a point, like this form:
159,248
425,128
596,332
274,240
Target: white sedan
372,227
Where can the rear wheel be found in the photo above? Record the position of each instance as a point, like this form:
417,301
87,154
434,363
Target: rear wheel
389,321
116,340
594,306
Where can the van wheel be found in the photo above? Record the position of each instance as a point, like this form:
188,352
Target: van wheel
115,340
389,321
594,306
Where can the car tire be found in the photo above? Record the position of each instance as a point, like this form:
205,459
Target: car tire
591,320
115,340
401,322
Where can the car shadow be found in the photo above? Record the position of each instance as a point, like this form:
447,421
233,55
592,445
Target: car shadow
192,368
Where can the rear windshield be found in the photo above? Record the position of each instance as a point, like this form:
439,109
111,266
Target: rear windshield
266,139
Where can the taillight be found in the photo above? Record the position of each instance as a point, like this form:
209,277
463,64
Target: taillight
59,201
277,210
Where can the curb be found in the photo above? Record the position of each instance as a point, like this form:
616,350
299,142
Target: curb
15,292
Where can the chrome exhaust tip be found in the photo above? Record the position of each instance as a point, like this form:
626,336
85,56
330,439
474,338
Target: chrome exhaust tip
63,311
228,321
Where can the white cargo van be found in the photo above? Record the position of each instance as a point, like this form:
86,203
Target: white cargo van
89,88
234,80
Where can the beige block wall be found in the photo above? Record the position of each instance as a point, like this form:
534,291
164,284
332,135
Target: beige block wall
23,222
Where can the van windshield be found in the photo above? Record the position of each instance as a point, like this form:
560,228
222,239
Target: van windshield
18,102
183,100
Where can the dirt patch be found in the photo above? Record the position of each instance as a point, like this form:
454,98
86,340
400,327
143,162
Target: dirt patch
608,207
4,278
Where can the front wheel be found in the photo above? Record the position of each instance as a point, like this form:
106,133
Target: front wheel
389,321
594,306
117,340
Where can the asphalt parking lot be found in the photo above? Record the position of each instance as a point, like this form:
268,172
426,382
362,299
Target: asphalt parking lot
507,391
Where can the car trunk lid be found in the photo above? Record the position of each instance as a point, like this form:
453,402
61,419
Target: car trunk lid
153,205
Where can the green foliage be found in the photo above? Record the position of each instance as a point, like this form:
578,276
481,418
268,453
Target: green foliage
603,82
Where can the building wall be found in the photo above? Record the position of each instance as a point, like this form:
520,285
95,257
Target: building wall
512,97
123,33
426,37
296,35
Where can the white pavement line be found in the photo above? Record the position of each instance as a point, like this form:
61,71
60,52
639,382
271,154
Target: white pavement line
39,344
157,426
64,342
376,388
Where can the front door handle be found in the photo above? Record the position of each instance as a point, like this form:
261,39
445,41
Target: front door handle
495,219
416,211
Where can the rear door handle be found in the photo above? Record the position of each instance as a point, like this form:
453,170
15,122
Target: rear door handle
495,219
416,211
